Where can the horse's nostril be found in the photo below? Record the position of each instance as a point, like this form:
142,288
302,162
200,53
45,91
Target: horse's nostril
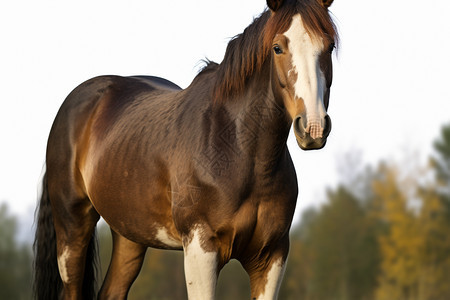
305,129
299,127
327,128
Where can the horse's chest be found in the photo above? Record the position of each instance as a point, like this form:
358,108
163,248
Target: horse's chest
257,218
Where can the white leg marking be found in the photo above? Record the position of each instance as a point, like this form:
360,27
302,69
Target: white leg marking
310,83
62,265
274,278
200,268
163,236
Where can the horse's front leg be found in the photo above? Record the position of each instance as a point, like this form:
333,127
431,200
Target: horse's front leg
201,264
266,273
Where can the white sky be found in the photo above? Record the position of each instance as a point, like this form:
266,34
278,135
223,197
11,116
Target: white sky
389,98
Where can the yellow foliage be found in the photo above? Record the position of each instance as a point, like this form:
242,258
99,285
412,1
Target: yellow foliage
401,243
415,246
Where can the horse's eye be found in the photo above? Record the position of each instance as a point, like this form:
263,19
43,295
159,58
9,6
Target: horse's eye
277,49
332,47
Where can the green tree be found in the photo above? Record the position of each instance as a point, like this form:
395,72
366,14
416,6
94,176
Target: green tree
441,164
340,250
435,251
298,270
161,277
15,260
435,224
233,282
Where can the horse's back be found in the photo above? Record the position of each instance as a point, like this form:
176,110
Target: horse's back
82,101
90,110
158,82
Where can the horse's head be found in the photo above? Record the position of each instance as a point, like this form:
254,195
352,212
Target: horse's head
302,66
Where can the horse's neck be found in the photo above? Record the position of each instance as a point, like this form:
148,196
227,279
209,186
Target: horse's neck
253,124
261,119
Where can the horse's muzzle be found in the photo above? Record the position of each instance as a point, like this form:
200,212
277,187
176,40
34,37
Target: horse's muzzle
311,135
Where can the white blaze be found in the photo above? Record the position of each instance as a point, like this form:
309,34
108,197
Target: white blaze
310,83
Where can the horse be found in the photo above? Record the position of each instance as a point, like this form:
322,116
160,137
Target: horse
204,169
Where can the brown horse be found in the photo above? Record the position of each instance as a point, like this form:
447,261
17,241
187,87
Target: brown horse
205,169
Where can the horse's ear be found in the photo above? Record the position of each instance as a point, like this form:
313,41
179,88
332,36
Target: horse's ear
274,5
326,3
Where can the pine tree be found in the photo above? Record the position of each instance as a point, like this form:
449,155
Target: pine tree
441,164
342,249
15,260
435,220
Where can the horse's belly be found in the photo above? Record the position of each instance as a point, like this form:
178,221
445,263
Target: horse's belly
141,224
137,205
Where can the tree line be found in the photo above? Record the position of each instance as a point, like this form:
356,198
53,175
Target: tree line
384,234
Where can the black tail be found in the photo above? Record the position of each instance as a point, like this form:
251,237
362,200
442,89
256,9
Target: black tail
47,283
